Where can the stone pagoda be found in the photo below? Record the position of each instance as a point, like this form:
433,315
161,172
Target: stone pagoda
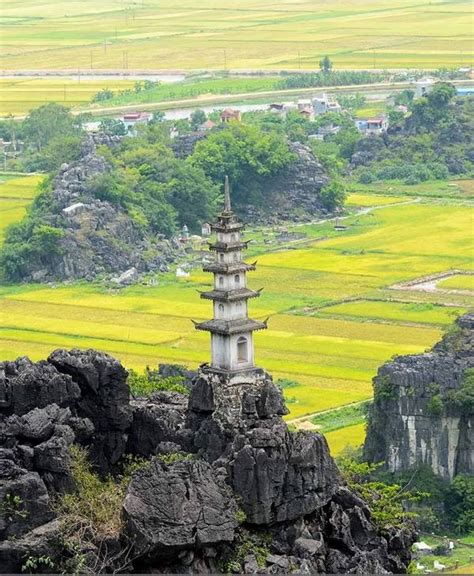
231,329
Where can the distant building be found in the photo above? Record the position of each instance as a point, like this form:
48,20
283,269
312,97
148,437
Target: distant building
465,91
75,209
324,131
372,125
208,125
92,127
230,115
131,119
424,87
303,104
322,104
277,108
307,113
206,229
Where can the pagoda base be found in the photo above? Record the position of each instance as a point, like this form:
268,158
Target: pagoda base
233,398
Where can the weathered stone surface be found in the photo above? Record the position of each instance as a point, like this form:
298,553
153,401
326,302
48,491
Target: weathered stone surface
404,430
182,517
161,418
26,385
182,506
39,542
104,400
24,500
278,476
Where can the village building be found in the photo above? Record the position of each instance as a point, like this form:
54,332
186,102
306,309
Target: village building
323,104
277,108
230,115
131,119
424,86
325,131
370,126
232,349
303,104
307,113
208,125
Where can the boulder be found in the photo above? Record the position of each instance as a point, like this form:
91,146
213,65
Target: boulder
41,542
183,506
24,499
277,475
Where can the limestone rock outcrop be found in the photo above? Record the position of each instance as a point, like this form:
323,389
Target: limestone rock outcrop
99,237
423,411
225,474
183,506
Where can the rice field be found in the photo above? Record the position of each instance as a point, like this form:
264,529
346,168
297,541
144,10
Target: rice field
16,193
20,95
333,320
351,436
244,34
458,282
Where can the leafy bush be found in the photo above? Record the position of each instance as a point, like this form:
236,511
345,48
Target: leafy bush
459,503
435,405
146,384
386,501
383,389
463,398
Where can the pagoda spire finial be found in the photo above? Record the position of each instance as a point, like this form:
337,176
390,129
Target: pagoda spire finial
227,206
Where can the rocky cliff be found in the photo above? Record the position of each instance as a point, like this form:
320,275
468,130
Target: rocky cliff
423,410
99,237
294,191
228,488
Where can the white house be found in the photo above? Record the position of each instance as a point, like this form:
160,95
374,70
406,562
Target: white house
370,126
322,104
423,87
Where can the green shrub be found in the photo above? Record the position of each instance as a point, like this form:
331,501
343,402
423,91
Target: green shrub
463,398
435,405
387,502
174,457
146,384
384,389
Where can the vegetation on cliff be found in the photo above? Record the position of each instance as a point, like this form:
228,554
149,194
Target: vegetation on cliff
433,142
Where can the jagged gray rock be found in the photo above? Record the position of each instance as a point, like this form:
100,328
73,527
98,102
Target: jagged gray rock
414,420
181,517
158,419
104,401
278,476
182,506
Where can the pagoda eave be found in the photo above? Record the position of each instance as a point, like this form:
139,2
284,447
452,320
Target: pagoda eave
230,295
228,246
229,327
219,268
